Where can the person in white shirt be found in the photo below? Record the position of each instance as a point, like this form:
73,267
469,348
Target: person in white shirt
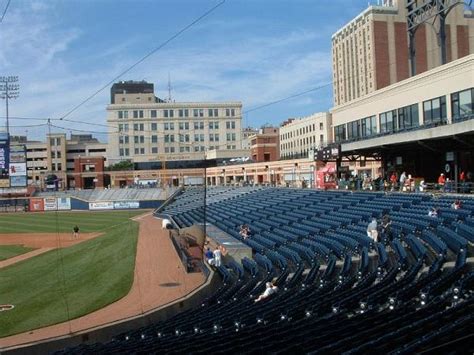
217,257
270,290
372,230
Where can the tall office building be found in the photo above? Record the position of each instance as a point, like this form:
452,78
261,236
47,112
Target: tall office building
371,51
147,130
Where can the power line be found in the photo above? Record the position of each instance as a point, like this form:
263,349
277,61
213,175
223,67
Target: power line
5,11
288,97
177,34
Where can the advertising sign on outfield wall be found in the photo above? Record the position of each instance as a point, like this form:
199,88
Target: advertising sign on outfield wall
64,203
17,169
36,205
126,205
50,204
17,181
101,205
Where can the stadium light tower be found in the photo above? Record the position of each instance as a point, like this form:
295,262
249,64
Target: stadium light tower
9,89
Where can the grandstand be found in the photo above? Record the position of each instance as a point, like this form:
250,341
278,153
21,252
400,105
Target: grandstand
112,194
339,292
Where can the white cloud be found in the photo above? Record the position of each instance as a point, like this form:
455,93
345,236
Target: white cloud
255,69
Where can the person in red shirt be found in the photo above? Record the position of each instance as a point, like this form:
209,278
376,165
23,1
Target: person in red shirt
441,181
462,181
393,180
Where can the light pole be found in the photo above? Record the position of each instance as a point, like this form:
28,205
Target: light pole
9,89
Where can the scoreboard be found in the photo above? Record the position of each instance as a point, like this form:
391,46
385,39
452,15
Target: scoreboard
329,153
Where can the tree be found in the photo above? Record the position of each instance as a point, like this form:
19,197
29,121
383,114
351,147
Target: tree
123,165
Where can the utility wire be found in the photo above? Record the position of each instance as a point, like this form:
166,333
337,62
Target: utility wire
288,97
344,79
177,34
5,11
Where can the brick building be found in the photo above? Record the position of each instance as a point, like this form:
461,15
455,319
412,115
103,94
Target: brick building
265,145
371,51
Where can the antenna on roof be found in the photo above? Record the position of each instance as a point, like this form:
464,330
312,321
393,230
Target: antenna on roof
169,87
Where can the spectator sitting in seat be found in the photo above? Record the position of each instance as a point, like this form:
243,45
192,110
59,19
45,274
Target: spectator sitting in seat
386,226
244,231
270,290
456,205
433,212
217,257
372,230
209,256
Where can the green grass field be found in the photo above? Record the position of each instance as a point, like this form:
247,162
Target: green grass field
61,221
67,283
9,251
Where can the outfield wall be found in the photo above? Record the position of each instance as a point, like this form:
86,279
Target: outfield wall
42,204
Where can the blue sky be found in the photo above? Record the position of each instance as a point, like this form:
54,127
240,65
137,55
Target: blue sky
254,51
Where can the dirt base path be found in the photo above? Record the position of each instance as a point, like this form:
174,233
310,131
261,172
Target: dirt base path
42,242
21,257
45,240
159,279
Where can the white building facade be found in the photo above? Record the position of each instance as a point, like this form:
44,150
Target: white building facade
143,130
300,136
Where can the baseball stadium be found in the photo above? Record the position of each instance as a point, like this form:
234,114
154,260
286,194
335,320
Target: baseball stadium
134,280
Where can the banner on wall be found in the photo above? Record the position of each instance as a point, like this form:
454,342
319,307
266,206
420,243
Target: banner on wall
64,203
50,204
126,205
18,181
17,169
36,205
4,160
101,205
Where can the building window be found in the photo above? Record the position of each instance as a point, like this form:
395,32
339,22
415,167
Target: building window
434,111
154,139
183,113
353,129
462,104
184,125
230,112
154,126
153,114
340,133
138,114
198,125
198,112
184,149
154,150
388,121
138,127
168,113
123,140
368,126
122,114
123,127
213,112
169,138
169,126
230,124
408,117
